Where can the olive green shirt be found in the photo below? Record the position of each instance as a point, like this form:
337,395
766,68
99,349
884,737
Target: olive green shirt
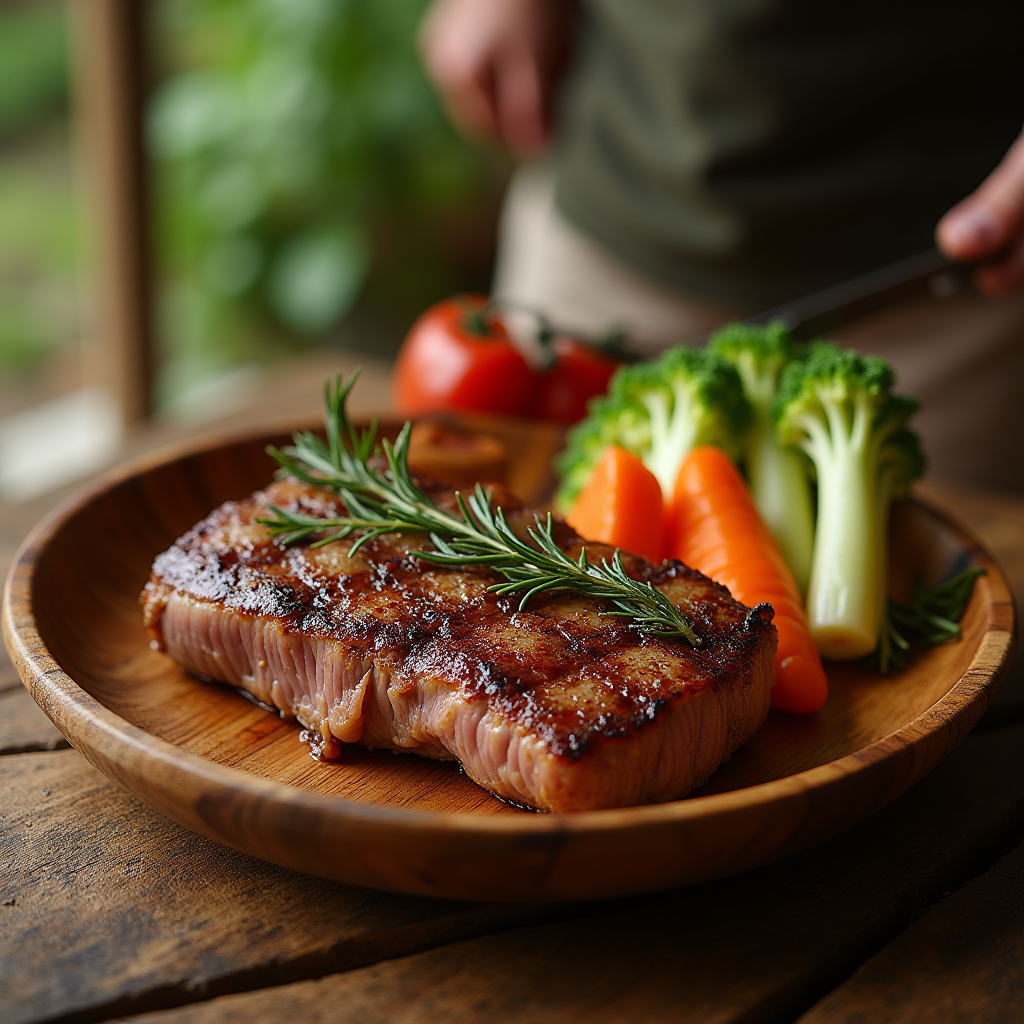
750,151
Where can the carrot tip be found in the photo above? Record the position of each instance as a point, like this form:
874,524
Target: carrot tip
800,686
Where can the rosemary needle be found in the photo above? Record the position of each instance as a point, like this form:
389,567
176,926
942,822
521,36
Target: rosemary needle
387,500
932,616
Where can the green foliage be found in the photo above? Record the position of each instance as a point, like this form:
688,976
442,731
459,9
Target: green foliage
38,253
303,161
658,410
33,67
38,224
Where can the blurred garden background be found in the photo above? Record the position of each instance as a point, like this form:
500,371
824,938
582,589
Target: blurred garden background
306,189
40,314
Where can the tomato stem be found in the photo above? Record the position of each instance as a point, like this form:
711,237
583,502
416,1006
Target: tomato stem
479,321
476,319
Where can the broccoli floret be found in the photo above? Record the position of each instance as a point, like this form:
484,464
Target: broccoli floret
838,406
658,410
779,475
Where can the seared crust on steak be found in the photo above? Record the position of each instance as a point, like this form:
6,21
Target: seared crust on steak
557,707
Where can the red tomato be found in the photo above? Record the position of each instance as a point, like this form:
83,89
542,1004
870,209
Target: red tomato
458,357
578,374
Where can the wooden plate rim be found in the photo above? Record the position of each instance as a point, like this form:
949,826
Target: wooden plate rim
75,711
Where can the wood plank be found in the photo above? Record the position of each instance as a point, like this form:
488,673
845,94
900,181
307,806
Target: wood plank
8,675
23,727
107,908
759,947
110,94
962,961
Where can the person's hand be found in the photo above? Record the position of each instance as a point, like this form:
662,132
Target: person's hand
495,63
988,227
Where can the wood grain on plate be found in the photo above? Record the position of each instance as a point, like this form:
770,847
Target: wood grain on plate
207,758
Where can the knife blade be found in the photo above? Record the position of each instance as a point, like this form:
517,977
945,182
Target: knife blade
927,273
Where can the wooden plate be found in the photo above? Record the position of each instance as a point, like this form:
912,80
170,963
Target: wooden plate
211,760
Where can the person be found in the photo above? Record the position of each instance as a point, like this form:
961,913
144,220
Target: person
687,162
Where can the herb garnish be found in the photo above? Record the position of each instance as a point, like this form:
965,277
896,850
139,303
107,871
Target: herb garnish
383,501
932,617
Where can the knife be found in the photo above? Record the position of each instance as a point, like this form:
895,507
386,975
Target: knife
927,273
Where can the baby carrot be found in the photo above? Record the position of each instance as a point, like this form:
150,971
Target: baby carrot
714,527
622,505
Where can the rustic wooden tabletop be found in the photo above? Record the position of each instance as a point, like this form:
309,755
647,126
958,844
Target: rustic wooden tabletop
108,910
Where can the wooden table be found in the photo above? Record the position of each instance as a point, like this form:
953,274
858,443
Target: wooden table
109,911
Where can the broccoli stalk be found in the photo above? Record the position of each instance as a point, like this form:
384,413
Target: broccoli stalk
839,408
779,475
658,411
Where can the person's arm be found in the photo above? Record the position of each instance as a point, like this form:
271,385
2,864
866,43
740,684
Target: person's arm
495,63
988,227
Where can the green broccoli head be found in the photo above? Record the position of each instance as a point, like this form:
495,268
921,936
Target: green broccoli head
760,354
658,410
838,406
902,460
838,401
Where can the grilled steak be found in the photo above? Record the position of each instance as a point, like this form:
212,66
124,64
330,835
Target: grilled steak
558,707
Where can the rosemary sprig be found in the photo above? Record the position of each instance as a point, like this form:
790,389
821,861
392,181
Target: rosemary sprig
381,501
932,616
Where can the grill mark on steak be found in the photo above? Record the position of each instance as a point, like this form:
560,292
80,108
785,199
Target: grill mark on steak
427,657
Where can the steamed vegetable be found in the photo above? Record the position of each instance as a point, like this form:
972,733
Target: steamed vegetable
621,505
779,475
658,411
838,406
715,527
